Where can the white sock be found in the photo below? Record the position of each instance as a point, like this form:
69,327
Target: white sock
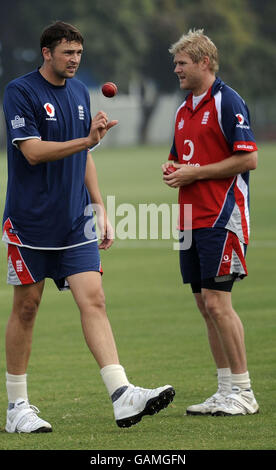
242,381
114,377
224,379
16,387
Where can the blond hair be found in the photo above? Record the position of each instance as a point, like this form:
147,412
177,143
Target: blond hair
197,46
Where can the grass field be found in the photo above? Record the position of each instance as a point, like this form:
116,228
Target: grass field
160,336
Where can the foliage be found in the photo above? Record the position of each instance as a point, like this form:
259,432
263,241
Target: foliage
114,45
127,39
127,42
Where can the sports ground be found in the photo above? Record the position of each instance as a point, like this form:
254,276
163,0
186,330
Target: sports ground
160,335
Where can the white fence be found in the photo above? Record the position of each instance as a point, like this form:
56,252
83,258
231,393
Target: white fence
128,110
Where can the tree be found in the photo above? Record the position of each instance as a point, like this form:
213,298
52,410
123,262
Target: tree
128,40
21,24
230,24
114,44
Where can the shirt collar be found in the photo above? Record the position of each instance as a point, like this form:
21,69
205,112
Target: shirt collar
217,85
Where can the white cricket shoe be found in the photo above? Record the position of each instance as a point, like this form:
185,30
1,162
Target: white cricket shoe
239,402
208,405
23,418
136,402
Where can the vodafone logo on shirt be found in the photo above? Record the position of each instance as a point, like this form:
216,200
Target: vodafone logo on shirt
50,110
188,152
189,149
240,118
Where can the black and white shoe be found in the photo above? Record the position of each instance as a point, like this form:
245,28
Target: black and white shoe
136,402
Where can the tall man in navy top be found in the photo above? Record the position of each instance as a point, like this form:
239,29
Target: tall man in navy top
49,232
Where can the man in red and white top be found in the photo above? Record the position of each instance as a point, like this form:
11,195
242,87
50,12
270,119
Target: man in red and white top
212,153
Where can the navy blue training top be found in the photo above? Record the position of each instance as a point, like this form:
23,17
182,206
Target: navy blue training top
46,204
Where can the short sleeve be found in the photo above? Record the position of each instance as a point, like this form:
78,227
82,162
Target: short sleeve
235,121
173,152
20,115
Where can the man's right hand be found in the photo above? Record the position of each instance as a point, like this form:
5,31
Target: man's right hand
99,127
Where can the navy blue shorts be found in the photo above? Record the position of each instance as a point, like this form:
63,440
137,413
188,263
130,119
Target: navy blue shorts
27,266
215,254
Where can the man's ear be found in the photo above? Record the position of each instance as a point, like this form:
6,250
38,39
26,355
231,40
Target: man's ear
205,63
46,53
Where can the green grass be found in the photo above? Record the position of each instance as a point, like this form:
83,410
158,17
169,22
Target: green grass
160,335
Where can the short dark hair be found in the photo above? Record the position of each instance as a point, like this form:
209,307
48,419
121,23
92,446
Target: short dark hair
54,33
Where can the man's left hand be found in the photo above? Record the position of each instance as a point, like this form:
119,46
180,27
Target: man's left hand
184,175
106,234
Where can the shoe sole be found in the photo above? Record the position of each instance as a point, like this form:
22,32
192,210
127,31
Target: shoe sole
198,413
153,406
223,413
44,429
39,430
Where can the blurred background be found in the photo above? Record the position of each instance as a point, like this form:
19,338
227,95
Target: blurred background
127,41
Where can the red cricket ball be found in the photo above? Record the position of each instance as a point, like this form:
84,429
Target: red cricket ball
109,89
170,170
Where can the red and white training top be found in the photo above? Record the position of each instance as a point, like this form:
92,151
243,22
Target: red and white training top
218,127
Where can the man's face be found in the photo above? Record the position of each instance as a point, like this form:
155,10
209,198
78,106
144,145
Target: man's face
188,72
65,59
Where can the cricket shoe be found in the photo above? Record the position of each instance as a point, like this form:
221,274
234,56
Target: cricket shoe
23,418
239,402
208,405
135,402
